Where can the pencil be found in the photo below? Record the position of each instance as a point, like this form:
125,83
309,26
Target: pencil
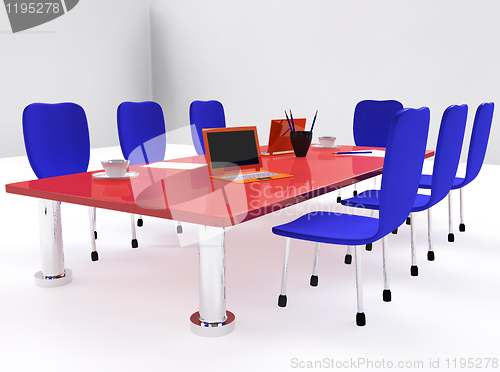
285,132
291,118
352,152
289,124
314,121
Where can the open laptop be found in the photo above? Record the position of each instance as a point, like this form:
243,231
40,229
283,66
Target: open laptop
279,136
230,152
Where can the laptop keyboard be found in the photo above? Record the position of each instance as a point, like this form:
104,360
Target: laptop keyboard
277,152
247,176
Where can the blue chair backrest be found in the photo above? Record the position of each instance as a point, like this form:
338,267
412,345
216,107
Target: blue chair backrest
141,130
56,137
448,149
205,114
404,158
372,121
479,140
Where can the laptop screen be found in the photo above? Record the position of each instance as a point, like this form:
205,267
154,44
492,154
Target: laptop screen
230,147
279,134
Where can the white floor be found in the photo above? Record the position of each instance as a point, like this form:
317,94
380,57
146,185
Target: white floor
130,310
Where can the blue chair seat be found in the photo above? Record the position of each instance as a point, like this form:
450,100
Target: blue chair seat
426,182
331,228
402,168
56,136
205,115
477,151
449,146
369,199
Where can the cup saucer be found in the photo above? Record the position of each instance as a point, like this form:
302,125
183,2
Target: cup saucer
325,147
104,176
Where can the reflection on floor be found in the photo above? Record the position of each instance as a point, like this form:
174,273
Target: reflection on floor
130,310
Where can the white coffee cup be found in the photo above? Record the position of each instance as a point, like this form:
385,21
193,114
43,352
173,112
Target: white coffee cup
327,141
116,167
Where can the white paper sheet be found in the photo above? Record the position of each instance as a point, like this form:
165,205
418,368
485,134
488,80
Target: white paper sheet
172,165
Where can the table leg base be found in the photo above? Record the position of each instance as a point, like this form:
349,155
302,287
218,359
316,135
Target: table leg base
205,331
40,281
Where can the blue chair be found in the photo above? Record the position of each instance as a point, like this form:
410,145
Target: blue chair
204,114
57,141
447,157
401,174
371,123
142,134
477,150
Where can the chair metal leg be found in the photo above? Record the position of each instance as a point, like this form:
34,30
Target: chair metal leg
386,295
372,212
94,256
140,222
282,298
430,252
135,244
414,267
94,223
355,192
314,276
179,227
461,227
348,256
339,197
360,316
451,237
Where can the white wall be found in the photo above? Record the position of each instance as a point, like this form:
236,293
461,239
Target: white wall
261,57
96,55
258,58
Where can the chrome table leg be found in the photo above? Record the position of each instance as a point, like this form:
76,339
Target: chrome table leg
53,273
212,320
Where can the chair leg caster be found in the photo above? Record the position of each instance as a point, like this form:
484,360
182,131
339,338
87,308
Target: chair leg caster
461,227
140,222
451,237
95,235
339,199
395,231
386,295
369,247
430,256
408,220
354,193
282,301
135,244
94,256
179,229
414,270
360,319
348,259
314,281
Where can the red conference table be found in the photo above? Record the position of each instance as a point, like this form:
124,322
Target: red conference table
190,195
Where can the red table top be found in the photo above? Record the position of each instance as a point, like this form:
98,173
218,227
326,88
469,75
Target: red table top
193,196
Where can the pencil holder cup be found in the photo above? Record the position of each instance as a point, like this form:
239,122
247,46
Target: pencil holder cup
301,140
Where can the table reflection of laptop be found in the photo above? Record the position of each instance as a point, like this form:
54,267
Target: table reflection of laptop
279,136
230,152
